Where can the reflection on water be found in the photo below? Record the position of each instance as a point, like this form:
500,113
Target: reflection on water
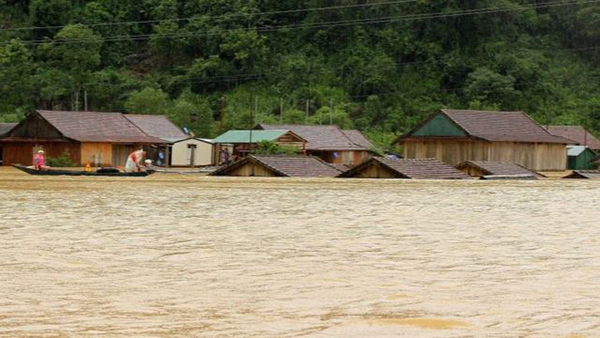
193,255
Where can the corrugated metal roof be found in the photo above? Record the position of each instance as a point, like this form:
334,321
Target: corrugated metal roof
575,150
247,136
585,174
358,138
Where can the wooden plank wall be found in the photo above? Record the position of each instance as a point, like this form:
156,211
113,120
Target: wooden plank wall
97,154
375,171
251,169
22,152
534,156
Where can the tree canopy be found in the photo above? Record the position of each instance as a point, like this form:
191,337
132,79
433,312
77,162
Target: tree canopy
380,66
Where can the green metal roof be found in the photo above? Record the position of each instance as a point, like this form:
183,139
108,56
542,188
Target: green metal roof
243,136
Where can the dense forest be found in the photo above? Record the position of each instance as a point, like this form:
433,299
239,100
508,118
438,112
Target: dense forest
376,65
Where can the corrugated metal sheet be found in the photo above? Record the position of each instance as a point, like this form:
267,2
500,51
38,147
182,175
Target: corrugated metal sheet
287,166
249,136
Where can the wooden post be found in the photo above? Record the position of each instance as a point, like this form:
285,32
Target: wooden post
167,155
307,103
281,110
330,111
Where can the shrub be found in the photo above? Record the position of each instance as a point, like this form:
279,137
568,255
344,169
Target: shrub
64,160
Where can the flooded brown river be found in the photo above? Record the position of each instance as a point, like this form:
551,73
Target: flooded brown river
183,255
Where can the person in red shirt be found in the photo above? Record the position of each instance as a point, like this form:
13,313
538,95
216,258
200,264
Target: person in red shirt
39,162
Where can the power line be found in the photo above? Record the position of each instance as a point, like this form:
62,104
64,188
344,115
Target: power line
264,29
291,11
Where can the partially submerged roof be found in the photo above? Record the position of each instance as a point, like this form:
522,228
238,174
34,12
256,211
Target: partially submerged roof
498,168
250,136
410,169
577,134
585,174
490,126
285,166
6,127
319,137
156,125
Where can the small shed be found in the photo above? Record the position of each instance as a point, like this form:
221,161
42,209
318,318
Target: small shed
241,142
4,129
278,166
191,152
499,169
585,174
427,169
580,158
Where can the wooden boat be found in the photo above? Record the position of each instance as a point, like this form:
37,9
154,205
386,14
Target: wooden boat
99,172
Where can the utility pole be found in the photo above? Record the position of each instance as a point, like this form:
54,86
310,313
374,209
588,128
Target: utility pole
330,111
85,102
307,103
281,110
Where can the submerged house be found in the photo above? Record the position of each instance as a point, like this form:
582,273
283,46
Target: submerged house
580,158
504,169
240,143
585,174
330,143
101,139
425,169
455,136
278,166
4,129
578,135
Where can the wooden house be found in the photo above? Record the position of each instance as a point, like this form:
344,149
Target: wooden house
101,139
4,129
330,143
279,166
426,169
240,143
580,158
578,135
483,169
455,136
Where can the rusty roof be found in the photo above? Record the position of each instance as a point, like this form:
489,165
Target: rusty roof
156,125
429,169
498,168
577,134
6,127
286,166
318,137
96,127
585,174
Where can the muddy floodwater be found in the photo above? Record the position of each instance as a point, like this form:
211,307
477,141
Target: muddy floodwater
185,255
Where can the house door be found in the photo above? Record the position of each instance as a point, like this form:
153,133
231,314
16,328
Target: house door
120,154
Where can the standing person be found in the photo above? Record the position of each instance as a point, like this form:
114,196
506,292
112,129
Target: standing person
39,162
133,161
224,157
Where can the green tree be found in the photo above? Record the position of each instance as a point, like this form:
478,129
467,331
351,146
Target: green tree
147,101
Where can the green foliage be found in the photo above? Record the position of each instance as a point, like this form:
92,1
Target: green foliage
62,161
272,148
208,72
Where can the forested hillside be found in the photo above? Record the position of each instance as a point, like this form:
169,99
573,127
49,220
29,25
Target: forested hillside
382,65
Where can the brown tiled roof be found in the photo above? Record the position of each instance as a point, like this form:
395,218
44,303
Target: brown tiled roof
96,127
287,166
358,138
429,168
318,137
6,127
498,168
501,126
585,174
156,125
577,134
